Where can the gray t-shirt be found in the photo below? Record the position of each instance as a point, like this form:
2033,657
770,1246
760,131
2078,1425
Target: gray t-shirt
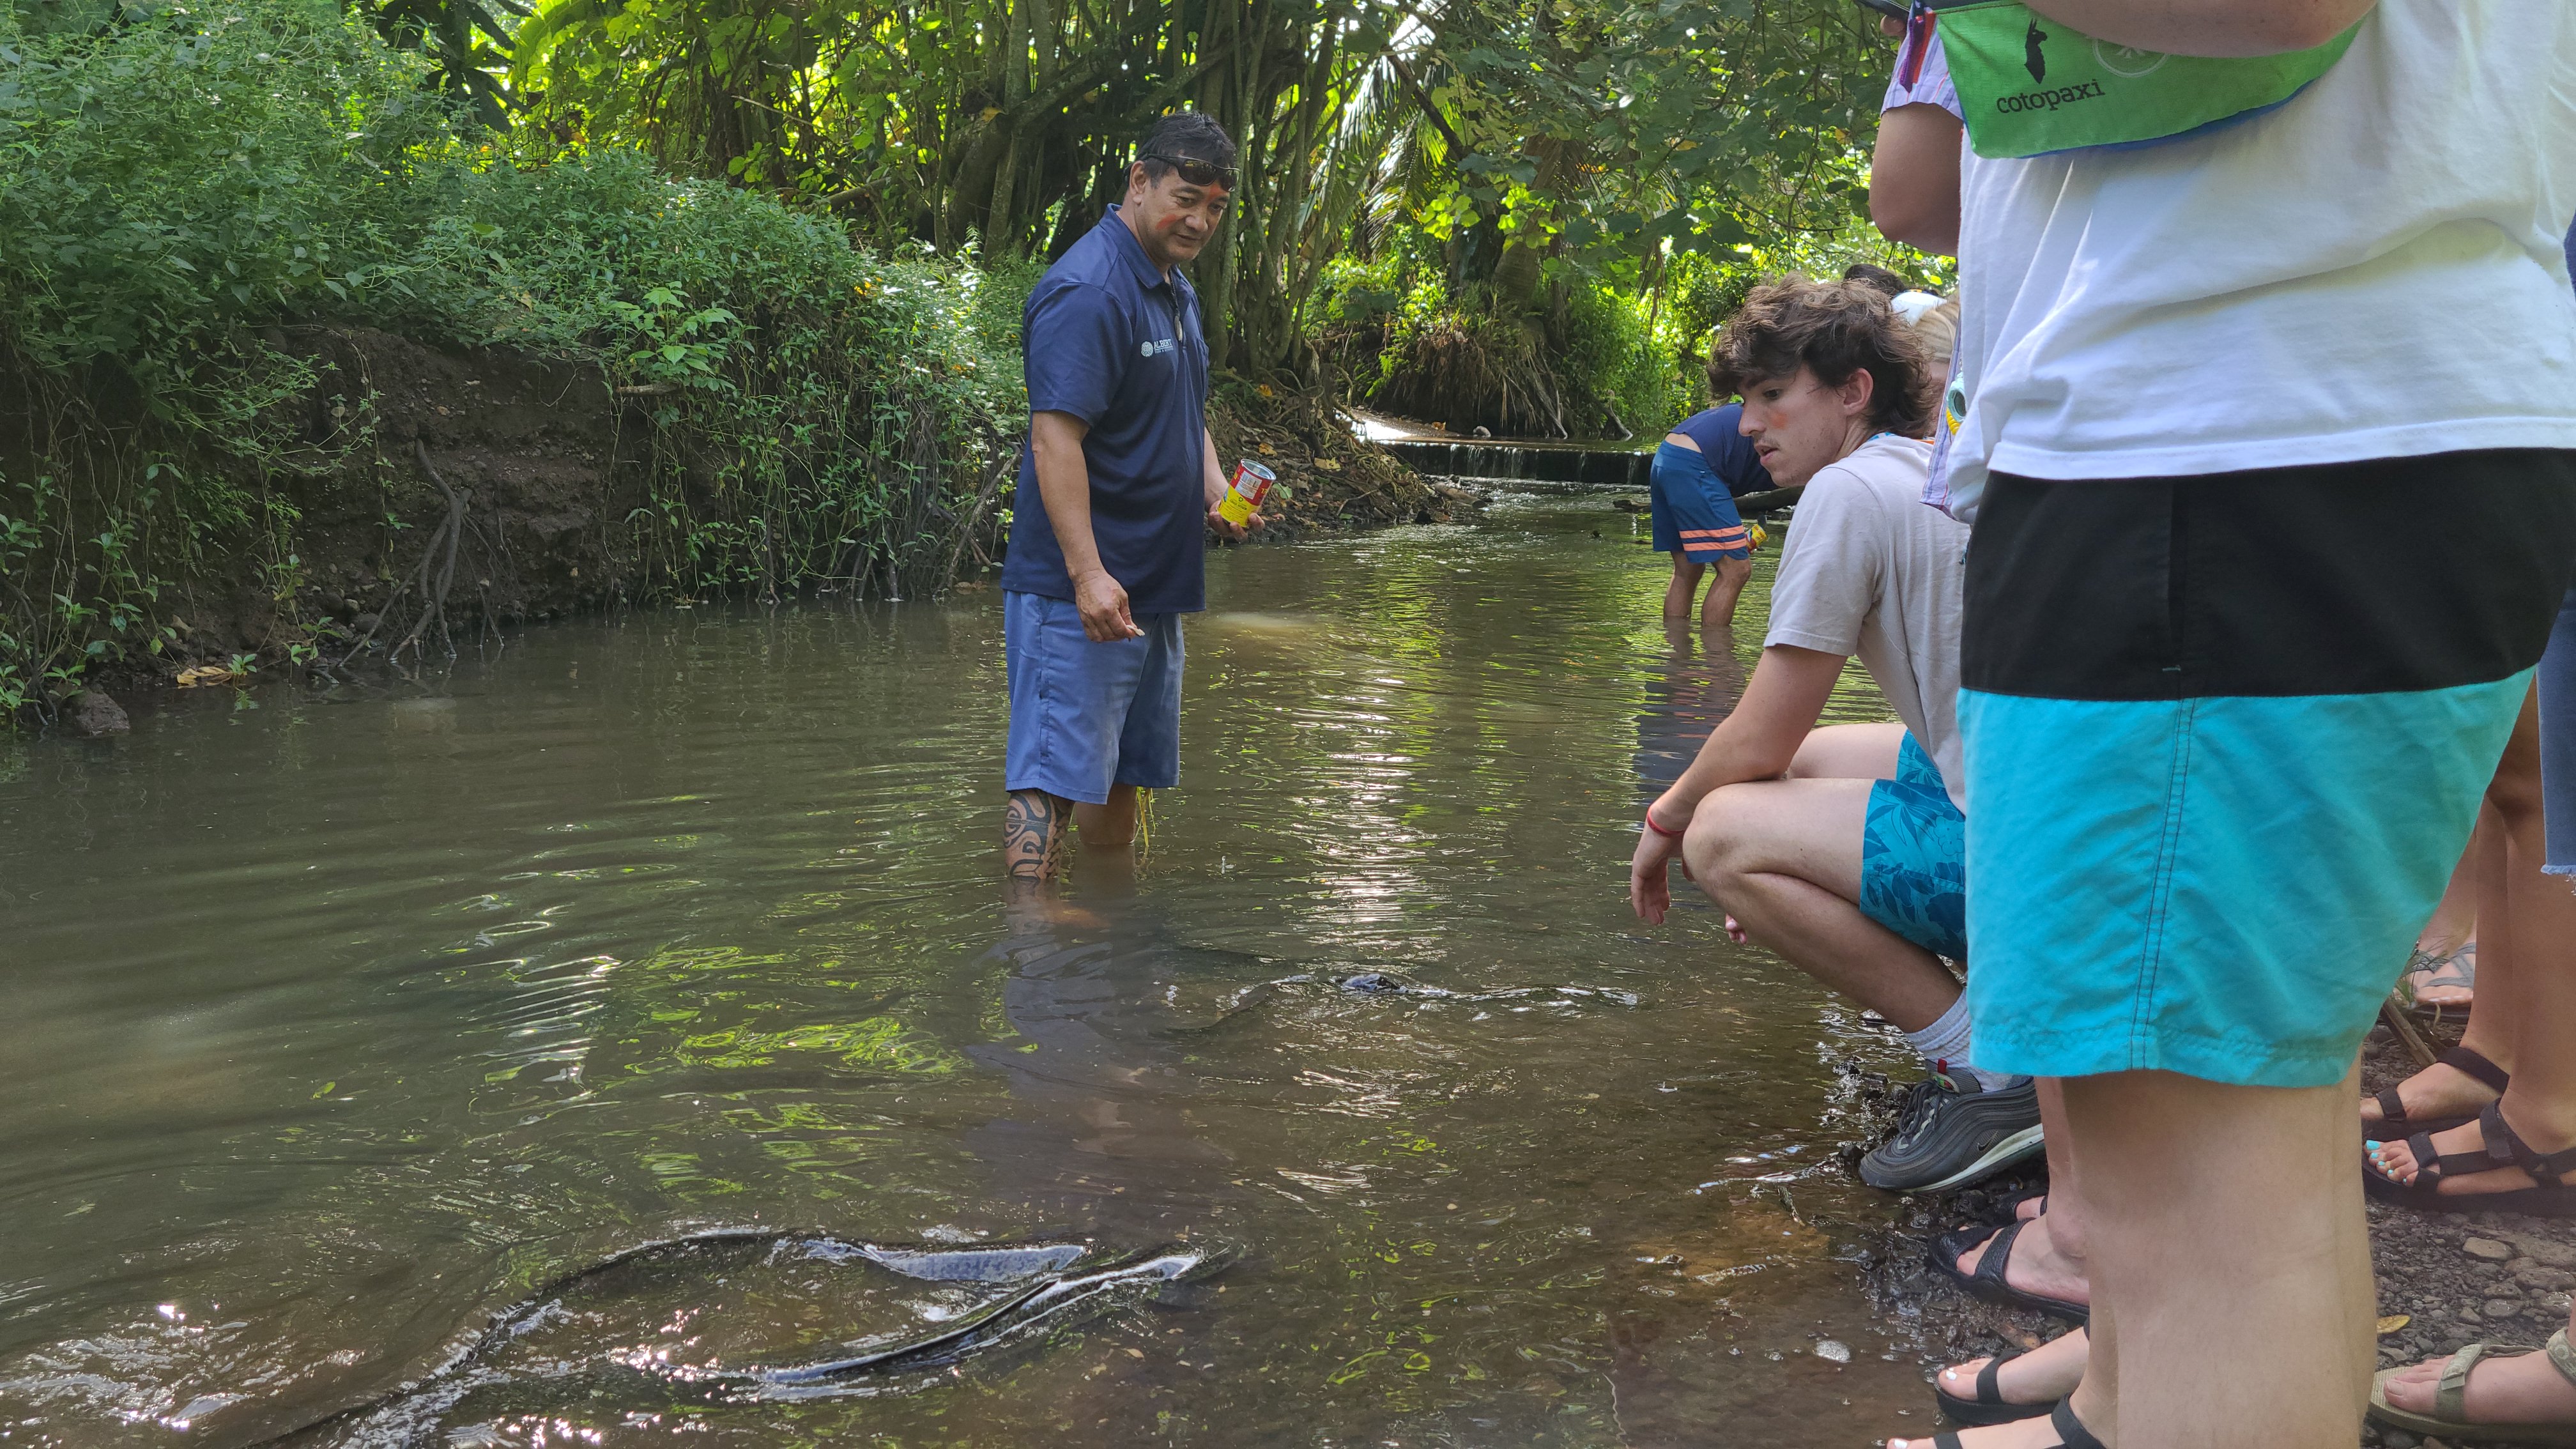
1868,569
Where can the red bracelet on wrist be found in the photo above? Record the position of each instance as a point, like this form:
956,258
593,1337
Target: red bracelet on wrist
1659,830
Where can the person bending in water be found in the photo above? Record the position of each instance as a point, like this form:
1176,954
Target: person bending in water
1117,486
1704,465
1842,848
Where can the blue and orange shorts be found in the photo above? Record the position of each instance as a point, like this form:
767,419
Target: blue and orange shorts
1694,513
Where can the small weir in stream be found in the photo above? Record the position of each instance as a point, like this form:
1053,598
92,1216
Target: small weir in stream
1544,467
1570,465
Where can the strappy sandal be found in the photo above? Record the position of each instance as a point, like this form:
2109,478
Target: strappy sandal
2071,1433
1988,1281
2012,1208
2460,968
2449,1420
1988,1407
2550,1196
2392,1108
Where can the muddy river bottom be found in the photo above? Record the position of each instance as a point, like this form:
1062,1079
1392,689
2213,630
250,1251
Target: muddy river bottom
343,1021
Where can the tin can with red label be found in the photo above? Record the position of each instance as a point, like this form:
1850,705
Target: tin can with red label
1243,496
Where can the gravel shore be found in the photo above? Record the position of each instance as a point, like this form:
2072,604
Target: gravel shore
2452,1278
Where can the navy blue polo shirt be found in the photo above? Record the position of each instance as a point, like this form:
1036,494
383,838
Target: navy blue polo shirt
1729,453
1110,340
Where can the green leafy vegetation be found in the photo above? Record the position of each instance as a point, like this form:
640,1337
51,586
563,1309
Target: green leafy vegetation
1526,151
188,197
790,240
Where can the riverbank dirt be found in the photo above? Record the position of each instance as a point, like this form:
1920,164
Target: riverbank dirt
540,464
2452,1278
1335,478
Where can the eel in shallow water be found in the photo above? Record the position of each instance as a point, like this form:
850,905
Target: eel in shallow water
1380,983
1387,983
1052,1291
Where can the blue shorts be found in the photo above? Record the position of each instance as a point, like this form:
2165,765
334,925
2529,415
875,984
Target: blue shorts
1694,513
1914,857
1087,716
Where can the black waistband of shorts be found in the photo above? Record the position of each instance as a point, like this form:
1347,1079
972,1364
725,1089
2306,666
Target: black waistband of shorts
2391,575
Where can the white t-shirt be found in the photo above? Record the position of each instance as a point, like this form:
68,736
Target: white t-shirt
1869,570
2371,271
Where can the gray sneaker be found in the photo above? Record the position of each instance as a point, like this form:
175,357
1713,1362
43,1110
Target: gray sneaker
1950,1132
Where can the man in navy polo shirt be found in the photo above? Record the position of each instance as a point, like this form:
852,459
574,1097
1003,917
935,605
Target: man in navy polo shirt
1117,485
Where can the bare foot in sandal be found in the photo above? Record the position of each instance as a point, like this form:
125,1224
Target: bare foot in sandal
2448,982
2521,1389
2458,1085
2036,1267
2036,1433
2531,1177
2032,1380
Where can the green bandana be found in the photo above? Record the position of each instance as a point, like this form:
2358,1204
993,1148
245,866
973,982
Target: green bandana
2030,86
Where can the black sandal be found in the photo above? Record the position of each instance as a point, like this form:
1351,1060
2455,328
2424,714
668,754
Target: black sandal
2551,1196
1988,1281
2392,1110
1988,1407
2071,1433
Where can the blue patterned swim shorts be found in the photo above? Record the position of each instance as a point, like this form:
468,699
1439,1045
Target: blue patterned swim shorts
1914,857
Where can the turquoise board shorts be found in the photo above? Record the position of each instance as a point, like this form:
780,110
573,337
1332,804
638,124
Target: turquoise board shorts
1914,857
2225,757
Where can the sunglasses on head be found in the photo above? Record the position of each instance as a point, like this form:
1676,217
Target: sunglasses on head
1195,171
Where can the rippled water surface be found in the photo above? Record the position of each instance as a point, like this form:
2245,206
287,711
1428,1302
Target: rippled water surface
342,1022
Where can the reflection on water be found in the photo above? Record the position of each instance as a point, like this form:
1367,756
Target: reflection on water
1685,700
345,1022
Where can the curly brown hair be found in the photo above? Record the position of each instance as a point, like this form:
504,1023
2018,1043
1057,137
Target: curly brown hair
1832,329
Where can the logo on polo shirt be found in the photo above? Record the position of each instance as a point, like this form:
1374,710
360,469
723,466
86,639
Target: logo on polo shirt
1157,349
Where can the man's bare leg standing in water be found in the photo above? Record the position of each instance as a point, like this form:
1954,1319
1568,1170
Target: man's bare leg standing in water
1034,826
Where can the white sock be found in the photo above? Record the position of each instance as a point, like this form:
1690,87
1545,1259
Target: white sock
1946,1044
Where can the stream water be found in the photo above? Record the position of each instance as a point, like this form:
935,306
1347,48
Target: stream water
341,1022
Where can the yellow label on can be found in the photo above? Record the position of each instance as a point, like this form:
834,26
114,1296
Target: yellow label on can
1243,494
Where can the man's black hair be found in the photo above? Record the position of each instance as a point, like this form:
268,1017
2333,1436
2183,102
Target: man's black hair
1187,136
1875,276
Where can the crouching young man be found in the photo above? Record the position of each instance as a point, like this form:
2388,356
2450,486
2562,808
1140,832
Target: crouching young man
1844,849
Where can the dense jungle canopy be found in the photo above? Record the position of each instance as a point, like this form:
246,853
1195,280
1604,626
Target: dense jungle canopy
1520,146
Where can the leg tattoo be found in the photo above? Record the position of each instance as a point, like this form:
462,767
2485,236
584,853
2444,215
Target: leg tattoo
1033,830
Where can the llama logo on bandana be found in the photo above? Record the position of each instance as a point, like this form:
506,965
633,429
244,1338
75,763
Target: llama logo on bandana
2038,60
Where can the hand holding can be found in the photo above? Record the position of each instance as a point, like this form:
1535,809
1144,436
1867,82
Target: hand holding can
1246,493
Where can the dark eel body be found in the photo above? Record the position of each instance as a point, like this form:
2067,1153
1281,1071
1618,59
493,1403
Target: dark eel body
1051,1292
